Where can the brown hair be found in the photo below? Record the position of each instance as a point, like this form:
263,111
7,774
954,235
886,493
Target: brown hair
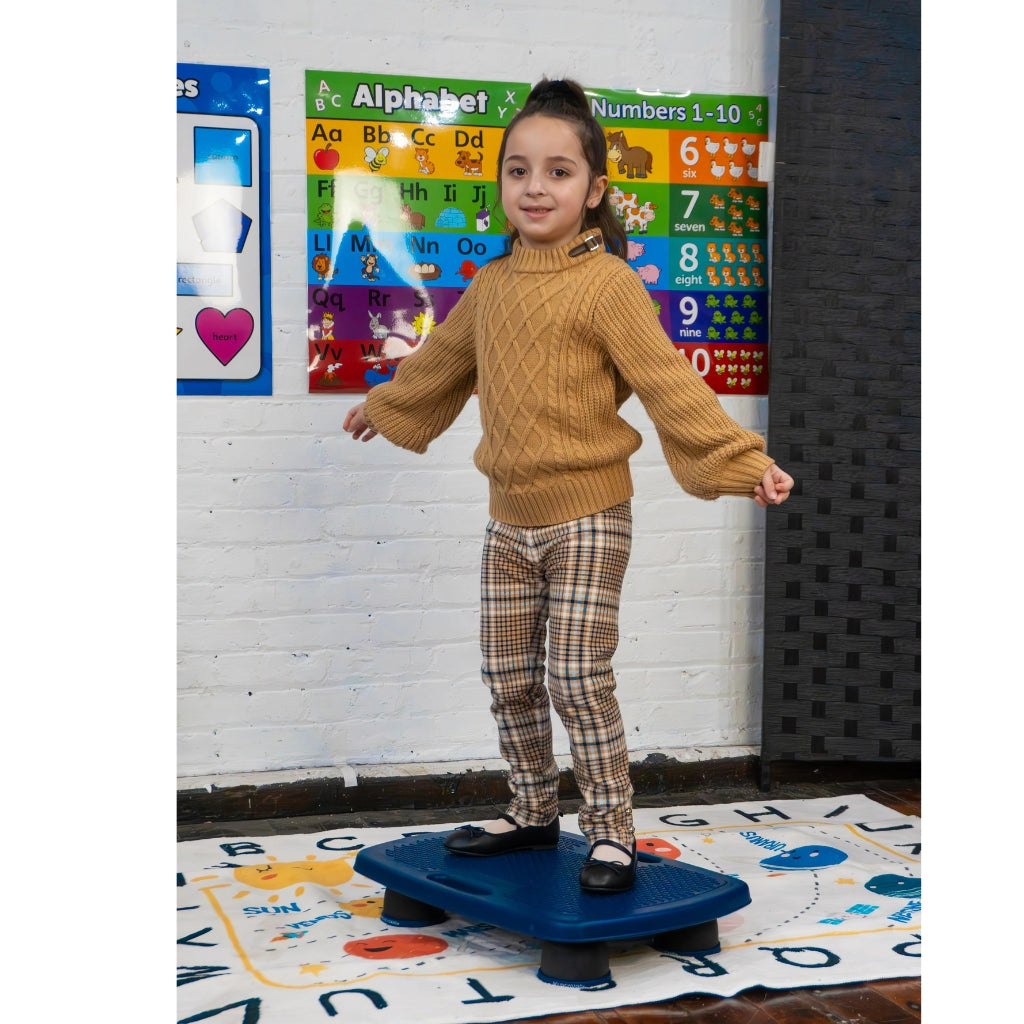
566,100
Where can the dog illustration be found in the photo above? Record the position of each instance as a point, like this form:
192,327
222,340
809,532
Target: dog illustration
471,166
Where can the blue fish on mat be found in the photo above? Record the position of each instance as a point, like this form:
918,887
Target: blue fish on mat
902,886
805,858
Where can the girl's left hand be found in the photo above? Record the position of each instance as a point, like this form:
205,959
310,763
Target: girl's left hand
774,487
356,425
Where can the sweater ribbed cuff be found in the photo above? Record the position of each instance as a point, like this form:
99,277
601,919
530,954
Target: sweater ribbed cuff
392,427
743,473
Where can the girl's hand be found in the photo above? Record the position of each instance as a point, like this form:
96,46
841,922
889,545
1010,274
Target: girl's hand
355,424
774,487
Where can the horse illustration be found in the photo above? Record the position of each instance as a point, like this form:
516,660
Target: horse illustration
633,161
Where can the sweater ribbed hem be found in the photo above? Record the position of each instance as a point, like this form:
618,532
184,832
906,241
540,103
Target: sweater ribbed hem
570,496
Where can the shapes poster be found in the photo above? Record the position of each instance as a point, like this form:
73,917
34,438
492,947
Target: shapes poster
401,213
223,237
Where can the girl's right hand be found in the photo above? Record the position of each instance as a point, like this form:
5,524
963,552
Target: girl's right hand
355,424
774,487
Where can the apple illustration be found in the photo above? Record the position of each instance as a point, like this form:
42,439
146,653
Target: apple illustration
395,947
326,159
659,847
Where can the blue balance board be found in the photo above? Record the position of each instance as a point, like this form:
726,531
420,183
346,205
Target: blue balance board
537,892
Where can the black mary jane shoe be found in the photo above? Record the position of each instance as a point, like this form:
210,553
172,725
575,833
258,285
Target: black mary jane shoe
473,841
608,876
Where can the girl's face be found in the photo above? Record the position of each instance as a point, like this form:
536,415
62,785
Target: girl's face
545,182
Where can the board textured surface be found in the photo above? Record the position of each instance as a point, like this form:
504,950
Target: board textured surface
537,892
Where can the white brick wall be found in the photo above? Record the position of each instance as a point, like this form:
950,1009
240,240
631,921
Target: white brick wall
328,589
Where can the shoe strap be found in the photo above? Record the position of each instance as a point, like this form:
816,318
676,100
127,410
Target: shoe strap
618,846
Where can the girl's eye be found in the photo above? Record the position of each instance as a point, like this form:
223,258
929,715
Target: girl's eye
560,172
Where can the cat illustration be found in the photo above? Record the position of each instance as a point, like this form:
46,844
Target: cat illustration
426,166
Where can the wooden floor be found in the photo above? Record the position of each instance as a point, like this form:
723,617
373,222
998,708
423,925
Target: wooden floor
893,1001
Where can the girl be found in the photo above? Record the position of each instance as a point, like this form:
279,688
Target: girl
555,336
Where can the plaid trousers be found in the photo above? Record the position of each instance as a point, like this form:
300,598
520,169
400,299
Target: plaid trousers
559,586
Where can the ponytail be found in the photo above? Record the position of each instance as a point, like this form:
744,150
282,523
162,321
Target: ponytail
566,100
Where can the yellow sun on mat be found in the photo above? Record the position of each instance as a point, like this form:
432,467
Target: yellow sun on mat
283,874
367,906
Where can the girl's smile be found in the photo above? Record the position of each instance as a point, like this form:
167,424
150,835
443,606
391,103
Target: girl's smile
546,185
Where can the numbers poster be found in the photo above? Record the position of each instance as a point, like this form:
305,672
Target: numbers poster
402,213
223,266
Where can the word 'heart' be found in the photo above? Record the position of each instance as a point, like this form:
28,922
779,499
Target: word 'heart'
224,334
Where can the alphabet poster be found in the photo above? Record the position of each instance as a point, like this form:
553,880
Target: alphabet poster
281,928
223,265
401,215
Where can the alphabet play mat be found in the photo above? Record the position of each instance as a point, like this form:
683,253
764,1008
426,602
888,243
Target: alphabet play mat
283,930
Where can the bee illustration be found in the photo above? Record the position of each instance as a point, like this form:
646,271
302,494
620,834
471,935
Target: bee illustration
376,158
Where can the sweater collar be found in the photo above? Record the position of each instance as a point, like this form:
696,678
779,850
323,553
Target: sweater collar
539,261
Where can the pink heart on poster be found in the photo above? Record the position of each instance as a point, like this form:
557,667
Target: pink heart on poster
224,334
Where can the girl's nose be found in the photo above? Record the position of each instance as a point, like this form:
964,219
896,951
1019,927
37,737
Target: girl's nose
535,186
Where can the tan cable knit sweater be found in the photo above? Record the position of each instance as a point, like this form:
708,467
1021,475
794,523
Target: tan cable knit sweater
555,343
